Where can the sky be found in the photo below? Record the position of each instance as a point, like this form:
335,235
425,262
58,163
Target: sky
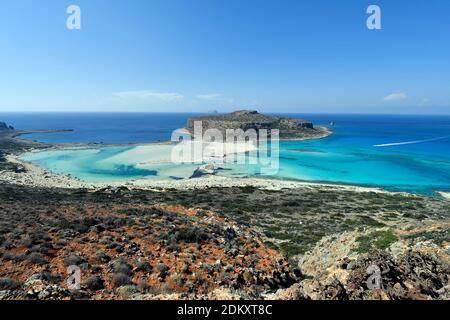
296,56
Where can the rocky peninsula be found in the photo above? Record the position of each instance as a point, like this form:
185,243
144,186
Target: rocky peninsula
5,127
289,128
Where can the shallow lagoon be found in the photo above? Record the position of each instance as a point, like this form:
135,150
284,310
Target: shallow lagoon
348,156
320,160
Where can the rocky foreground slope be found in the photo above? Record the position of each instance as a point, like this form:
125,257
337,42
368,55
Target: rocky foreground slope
195,244
127,246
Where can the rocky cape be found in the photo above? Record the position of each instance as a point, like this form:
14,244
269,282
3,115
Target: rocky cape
5,127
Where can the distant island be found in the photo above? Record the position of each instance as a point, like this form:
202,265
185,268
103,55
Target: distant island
290,129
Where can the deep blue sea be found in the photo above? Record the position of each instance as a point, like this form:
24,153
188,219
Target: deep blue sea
98,127
416,157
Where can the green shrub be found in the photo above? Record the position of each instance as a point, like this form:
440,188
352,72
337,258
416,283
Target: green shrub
120,279
8,284
191,235
94,283
248,189
377,239
73,260
36,258
289,249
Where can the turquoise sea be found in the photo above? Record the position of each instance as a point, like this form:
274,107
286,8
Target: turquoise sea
400,153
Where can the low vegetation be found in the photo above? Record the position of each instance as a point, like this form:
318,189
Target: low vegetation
376,240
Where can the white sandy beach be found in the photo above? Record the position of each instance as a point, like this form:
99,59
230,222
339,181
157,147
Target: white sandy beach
37,176
445,195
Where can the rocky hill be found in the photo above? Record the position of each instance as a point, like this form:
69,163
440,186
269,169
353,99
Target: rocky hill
4,127
245,120
222,243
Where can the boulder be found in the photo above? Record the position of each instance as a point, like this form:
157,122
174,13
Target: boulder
206,170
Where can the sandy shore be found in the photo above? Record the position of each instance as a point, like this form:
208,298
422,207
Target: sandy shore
445,195
221,181
39,177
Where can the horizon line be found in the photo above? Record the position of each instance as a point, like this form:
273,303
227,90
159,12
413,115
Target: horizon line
209,112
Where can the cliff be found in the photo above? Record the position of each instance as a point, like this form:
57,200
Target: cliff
245,120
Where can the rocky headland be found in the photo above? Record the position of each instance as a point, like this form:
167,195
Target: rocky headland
289,128
5,127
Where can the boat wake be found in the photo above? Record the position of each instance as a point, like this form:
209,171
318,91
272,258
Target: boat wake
409,142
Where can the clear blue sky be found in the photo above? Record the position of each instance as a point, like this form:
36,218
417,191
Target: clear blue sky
184,55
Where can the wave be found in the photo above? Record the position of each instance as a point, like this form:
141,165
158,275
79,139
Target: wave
409,142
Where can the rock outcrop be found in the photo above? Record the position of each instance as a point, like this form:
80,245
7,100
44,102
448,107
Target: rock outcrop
244,119
412,276
5,127
206,170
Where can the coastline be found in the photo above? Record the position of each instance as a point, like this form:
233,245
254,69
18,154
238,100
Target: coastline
37,176
18,133
325,133
445,195
314,227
